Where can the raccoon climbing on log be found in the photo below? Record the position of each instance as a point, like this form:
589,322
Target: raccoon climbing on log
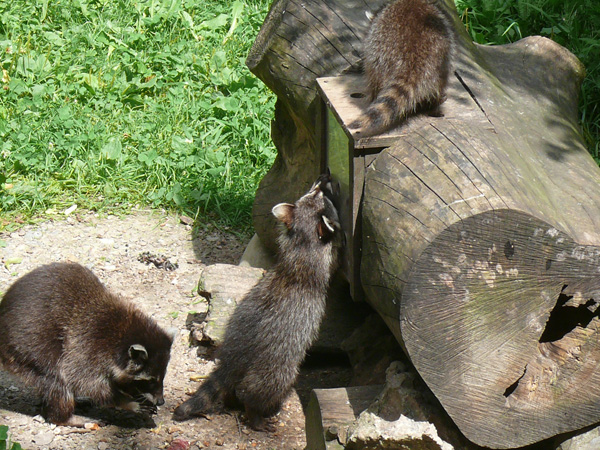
406,59
273,326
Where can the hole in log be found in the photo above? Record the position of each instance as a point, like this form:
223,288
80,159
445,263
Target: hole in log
565,318
509,390
509,249
357,95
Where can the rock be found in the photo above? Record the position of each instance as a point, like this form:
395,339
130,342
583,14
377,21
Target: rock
44,438
179,444
404,409
372,430
257,255
186,220
589,440
225,285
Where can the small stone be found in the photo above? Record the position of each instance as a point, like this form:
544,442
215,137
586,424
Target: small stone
186,220
44,438
179,444
69,210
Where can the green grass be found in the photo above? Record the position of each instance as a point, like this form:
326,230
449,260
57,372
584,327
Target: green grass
575,24
5,442
107,104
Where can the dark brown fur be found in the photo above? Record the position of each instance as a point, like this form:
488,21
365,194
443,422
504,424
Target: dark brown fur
273,326
406,62
63,332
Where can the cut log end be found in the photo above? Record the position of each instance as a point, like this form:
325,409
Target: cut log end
501,317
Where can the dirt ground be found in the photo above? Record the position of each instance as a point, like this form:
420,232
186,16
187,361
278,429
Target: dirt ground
110,246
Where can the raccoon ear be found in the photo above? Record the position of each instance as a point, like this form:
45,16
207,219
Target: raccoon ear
138,353
284,212
326,228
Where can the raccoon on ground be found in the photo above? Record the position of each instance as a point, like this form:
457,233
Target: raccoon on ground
406,62
271,329
65,334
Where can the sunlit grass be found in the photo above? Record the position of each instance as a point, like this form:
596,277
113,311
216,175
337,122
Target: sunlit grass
110,104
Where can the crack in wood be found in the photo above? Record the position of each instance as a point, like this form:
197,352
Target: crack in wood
472,95
351,29
462,170
474,166
332,44
426,143
426,185
395,208
512,388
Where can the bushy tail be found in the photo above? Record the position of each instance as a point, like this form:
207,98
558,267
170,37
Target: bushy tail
201,402
388,108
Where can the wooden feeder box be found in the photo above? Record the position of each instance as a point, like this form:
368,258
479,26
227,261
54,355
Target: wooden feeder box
347,156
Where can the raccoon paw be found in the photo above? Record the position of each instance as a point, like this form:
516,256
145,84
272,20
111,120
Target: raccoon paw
187,410
182,412
259,423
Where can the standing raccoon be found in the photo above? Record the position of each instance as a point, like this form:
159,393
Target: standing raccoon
64,333
406,63
271,329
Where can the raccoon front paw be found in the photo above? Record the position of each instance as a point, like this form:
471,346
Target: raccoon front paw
259,423
182,412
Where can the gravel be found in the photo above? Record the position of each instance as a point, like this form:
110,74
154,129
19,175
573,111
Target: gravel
111,247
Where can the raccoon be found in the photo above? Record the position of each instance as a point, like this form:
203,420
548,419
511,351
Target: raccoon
406,62
271,329
63,332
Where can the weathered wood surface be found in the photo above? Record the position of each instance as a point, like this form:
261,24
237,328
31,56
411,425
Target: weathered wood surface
225,286
330,411
473,224
476,226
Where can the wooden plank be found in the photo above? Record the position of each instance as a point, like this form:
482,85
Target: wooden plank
329,410
347,97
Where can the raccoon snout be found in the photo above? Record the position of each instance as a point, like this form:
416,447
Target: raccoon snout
160,400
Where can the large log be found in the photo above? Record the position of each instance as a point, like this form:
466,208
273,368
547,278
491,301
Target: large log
481,237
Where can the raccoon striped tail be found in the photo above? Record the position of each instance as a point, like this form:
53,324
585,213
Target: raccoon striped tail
388,108
201,402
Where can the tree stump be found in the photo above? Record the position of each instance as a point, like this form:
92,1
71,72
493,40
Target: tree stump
481,241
